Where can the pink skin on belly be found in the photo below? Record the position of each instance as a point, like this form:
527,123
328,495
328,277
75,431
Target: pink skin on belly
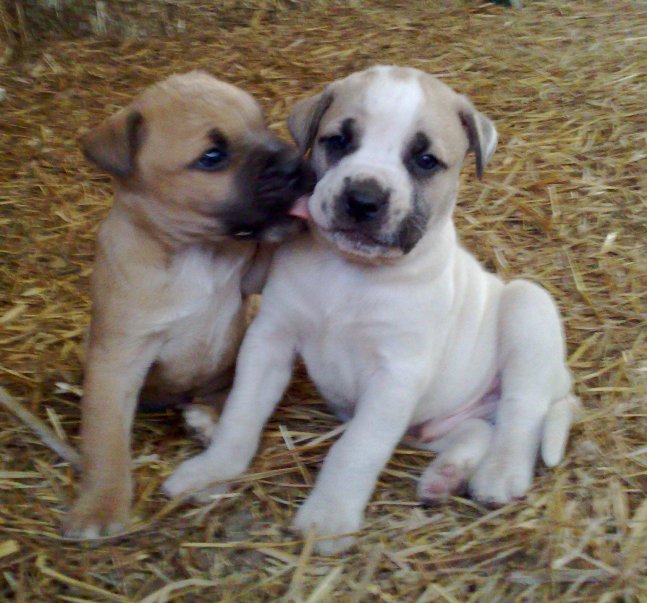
481,408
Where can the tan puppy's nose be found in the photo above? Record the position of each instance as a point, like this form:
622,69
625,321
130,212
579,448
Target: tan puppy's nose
284,168
285,164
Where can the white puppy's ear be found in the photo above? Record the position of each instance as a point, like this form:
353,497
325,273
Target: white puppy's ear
481,134
305,116
113,144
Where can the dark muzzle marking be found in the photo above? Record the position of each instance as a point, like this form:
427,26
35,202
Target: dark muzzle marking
267,187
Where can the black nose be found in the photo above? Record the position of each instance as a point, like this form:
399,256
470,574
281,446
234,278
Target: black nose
363,201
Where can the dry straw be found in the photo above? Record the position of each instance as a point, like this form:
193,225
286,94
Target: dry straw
563,203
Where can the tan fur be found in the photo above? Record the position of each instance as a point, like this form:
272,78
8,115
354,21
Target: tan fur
168,313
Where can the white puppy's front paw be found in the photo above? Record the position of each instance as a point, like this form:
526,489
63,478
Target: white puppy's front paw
328,517
501,478
192,475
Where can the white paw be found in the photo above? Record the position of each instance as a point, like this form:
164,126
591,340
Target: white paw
328,517
501,478
439,481
200,421
195,474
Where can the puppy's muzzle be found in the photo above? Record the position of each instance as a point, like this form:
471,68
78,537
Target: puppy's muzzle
283,175
284,169
365,221
275,178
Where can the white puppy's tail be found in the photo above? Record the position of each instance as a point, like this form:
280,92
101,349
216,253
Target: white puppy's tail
561,415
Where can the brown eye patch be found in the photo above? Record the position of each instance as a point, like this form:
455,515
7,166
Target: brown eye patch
418,159
341,144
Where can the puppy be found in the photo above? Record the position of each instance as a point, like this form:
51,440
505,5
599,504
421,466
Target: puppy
198,179
399,327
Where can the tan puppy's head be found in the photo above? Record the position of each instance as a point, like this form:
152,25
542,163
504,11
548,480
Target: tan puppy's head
387,145
194,158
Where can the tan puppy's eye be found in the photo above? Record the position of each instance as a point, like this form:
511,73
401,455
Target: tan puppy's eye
212,160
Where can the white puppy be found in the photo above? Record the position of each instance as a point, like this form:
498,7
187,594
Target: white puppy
398,325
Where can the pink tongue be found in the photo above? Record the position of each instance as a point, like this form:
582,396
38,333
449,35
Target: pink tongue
300,209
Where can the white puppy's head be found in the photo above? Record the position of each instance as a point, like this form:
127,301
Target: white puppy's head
387,145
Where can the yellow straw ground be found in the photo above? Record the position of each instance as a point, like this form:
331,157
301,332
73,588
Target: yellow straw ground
562,203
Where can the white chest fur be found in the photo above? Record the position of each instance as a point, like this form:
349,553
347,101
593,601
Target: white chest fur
202,314
352,320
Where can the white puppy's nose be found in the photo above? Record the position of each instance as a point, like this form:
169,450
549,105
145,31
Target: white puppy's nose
364,201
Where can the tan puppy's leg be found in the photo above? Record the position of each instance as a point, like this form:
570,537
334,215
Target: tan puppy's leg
459,453
114,375
200,418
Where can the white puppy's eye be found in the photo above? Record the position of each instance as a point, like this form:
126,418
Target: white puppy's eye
338,142
343,142
426,161
418,159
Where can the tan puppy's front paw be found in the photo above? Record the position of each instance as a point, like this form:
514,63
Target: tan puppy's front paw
97,514
327,518
500,479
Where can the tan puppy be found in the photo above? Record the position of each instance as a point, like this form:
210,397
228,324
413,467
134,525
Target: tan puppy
198,178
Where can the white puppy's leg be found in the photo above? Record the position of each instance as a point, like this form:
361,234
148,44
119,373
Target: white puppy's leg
533,374
349,473
459,453
262,374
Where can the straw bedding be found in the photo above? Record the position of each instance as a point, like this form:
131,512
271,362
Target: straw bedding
562,203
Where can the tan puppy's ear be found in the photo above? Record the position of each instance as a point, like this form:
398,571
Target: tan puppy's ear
481,134
113,144
305,116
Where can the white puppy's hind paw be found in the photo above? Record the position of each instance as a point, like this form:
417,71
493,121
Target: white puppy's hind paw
440,481
327,518
500,479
